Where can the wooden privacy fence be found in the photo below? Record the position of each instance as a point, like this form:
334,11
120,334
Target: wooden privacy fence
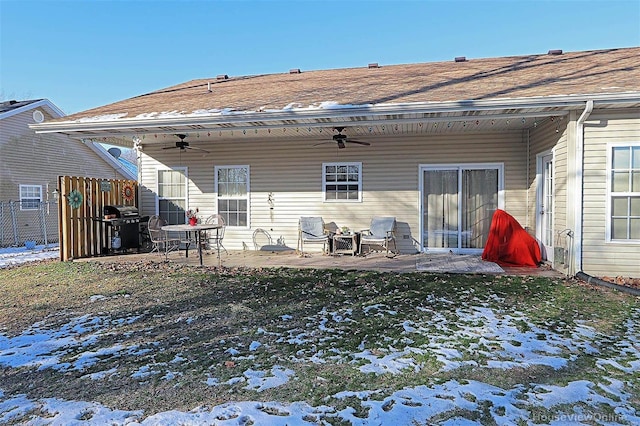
81,208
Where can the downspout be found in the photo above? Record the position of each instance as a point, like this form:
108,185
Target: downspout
597,281
579,187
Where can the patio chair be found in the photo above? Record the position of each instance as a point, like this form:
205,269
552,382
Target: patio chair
381,232
311,230
215,236
160,240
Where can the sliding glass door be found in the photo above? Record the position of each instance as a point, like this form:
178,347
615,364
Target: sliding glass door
458,203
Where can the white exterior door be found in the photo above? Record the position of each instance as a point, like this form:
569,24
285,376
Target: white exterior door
545,205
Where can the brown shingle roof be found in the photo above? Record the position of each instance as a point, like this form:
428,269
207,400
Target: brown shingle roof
588,72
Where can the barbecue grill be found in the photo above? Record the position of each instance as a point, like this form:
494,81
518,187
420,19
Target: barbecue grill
122,231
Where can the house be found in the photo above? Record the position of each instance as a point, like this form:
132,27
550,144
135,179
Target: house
30,164
553,139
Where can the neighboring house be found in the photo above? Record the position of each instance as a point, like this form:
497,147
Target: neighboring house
30,164
129,163
553,139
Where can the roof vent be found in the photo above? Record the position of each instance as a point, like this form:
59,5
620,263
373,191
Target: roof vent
555,52
38,116
295,71
460,59
222,77
374,65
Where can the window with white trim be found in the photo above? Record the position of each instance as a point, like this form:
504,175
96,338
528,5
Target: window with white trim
172,195
232,188
624,190
30,197
342,181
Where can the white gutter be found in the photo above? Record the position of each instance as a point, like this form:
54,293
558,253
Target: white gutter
579,186
104,154
318,116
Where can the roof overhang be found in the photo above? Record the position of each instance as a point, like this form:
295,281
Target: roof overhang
42,103
123,129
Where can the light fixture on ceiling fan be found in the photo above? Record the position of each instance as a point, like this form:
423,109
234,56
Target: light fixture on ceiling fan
341,139
184,145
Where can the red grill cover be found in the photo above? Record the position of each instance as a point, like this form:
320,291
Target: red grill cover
509,244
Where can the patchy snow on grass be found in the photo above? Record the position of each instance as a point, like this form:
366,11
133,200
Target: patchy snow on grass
259,381
419,403
393,363
43,348
474,335
101,374
11,256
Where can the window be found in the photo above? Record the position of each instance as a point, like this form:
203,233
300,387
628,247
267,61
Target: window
30,197
624,190
342,181
232,187
172,195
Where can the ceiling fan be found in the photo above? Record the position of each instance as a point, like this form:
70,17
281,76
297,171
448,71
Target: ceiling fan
184,145
341,139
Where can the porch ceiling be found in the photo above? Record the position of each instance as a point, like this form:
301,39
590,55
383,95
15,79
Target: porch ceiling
358,122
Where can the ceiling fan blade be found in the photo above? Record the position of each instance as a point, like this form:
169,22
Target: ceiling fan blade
197,149
170,147
321,143
358,142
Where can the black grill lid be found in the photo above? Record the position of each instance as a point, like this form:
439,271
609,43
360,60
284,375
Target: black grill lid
121,211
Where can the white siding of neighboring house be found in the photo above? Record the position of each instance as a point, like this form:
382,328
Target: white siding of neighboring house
292,171
601,257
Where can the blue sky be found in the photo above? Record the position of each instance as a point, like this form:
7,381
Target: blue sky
84,54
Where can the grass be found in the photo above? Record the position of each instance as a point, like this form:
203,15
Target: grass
163,313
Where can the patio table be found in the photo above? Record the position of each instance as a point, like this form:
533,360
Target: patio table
197,228
345,243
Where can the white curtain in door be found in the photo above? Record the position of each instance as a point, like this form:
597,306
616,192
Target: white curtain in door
479,202
440,191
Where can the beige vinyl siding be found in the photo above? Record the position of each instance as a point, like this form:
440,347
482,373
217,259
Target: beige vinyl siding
601,257
28,158
560,185
550,136
291,170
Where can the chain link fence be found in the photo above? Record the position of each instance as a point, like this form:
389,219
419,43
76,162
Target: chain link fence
28,224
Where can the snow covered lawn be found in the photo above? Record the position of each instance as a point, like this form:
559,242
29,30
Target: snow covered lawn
152,343
11,256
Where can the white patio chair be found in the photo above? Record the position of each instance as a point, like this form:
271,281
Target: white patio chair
160,240
311,230
381,232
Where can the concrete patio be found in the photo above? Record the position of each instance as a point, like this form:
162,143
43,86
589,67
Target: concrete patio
375,261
